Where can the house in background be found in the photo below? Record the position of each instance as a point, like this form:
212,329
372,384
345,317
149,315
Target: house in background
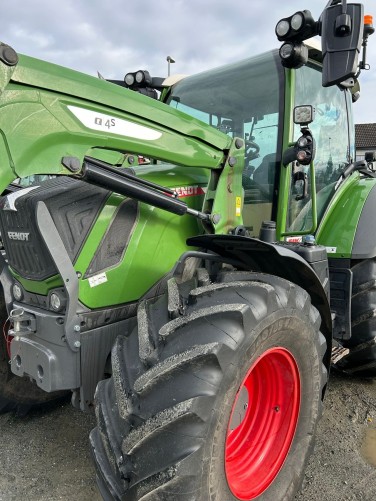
365,139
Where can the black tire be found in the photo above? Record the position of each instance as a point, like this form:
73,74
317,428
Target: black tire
18,394
163,416
361,360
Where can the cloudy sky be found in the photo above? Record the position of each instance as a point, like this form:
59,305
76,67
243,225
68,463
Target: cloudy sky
117,36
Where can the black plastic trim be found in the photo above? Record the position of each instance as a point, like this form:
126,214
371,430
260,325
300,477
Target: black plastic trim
340,297
274,260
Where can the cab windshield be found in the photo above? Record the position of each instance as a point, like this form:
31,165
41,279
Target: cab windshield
243,100
335,147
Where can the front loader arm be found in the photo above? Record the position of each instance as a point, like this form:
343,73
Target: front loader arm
48,112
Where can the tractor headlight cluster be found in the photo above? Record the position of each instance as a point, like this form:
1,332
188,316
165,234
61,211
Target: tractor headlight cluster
298,27
140,78
293,30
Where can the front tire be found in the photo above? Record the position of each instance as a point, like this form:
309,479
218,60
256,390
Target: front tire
207,371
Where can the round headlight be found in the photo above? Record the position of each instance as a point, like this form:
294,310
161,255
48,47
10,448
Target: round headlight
17,292
297,21
129,79
302,142
55,302
286,50
139,77
282,28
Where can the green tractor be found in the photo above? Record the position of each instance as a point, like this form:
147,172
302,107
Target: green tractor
192,300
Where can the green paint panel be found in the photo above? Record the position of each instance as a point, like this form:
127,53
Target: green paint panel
157,242
40,129
48,76
288,130
35,287
339,224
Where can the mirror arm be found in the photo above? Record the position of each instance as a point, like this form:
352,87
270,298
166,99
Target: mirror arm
289,156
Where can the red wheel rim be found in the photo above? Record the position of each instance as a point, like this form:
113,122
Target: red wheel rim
262,423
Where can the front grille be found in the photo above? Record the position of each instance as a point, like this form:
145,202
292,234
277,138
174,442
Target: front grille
74,207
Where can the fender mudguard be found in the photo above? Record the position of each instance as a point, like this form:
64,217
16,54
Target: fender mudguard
273,259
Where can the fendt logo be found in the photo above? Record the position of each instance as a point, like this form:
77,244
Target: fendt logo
18,235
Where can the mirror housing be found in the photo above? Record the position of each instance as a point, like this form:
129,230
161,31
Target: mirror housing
342,33
370,157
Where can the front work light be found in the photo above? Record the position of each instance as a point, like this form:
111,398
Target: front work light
17,292
304,115
55,302
297,21
129,79
282,28
58,301
140,78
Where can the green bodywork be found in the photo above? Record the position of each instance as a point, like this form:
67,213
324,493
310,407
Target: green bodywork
338,227
192,145
214,140
38,130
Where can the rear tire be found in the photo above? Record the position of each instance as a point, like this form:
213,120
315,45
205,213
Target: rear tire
18,394
361,361
172,415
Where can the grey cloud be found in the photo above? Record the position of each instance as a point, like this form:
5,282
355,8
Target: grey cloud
117,36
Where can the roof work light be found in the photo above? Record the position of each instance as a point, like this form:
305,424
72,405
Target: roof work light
293,30
293,55
298,27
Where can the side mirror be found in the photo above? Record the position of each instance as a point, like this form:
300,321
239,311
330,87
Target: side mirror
300,183
342,28
370,158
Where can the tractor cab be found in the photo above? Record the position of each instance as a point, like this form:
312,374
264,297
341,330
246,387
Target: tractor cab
254,100
244,100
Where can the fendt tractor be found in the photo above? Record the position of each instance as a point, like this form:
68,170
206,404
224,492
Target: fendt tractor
192,300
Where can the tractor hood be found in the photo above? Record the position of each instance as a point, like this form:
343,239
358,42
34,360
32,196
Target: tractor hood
48,76
49,113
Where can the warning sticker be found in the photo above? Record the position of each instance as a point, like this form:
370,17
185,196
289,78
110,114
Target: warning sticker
97,280
238,206
295,240
331,250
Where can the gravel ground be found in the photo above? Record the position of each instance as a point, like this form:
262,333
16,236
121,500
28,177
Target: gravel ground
45,456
